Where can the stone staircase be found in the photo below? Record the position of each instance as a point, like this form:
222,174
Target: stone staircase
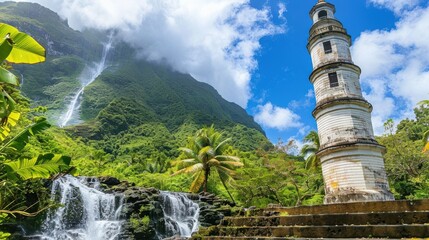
392,220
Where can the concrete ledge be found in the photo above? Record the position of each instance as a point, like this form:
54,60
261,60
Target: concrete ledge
379,231
392,218
356,207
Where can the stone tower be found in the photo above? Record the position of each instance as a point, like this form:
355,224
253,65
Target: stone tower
352,160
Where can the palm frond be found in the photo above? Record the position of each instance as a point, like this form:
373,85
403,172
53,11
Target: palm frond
206,153
312,161
226,170
213,162
308,149
221,145
199,179
191,169
227,158
231,163
188,152
41,167
224,178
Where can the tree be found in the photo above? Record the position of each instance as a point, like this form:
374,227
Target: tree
425,138
206,152
310,149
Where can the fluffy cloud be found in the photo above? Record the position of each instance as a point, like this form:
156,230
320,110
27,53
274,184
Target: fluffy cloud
395,63
396,5
213,40
272,116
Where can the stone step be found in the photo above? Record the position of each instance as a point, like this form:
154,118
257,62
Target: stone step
358,207
286,238
356,231
390,218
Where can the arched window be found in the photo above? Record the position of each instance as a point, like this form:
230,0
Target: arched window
323,14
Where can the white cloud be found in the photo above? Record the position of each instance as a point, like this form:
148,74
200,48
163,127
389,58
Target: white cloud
271,116
213,40
282,10
395,65
396,5
309,98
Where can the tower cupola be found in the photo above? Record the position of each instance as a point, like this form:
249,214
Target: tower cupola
322,10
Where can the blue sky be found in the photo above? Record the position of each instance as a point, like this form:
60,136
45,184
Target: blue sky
281,79
254,51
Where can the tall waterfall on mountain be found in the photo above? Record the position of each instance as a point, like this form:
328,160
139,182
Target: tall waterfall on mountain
87,213
87,77
180,213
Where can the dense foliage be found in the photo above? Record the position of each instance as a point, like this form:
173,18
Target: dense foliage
407,164
18,195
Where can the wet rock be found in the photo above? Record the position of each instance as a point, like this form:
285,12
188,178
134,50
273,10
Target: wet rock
109,181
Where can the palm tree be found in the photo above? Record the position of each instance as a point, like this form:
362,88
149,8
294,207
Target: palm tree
310,149
426,134
204,153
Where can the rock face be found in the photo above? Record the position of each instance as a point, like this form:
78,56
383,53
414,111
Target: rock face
145,217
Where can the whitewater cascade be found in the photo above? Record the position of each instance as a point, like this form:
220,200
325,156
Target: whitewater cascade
87,77
87,213
180,214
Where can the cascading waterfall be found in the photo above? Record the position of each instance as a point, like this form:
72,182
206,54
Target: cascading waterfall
180,214
87,77
87,213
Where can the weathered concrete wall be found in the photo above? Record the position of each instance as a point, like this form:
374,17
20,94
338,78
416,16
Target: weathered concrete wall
359,170
348,80
340,51
344,123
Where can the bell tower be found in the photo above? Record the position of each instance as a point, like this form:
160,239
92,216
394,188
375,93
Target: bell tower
352,160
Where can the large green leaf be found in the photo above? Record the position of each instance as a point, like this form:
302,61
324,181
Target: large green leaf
5,49
11,120
8,77
41,167
22,138
25,48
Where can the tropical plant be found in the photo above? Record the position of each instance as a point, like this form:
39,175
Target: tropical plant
17,47
310,149
206,152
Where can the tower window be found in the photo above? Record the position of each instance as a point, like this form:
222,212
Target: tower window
323,14
333,80
327,47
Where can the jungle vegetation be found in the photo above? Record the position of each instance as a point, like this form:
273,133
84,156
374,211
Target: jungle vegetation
145,123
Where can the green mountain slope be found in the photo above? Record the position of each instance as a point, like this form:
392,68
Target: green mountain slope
129,93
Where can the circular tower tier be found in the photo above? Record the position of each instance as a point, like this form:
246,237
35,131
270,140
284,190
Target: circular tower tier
354,173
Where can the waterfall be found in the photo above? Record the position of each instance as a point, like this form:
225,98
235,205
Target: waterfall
87,77
180,214
86,212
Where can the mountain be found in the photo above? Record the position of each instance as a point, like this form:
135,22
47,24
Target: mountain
129,92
